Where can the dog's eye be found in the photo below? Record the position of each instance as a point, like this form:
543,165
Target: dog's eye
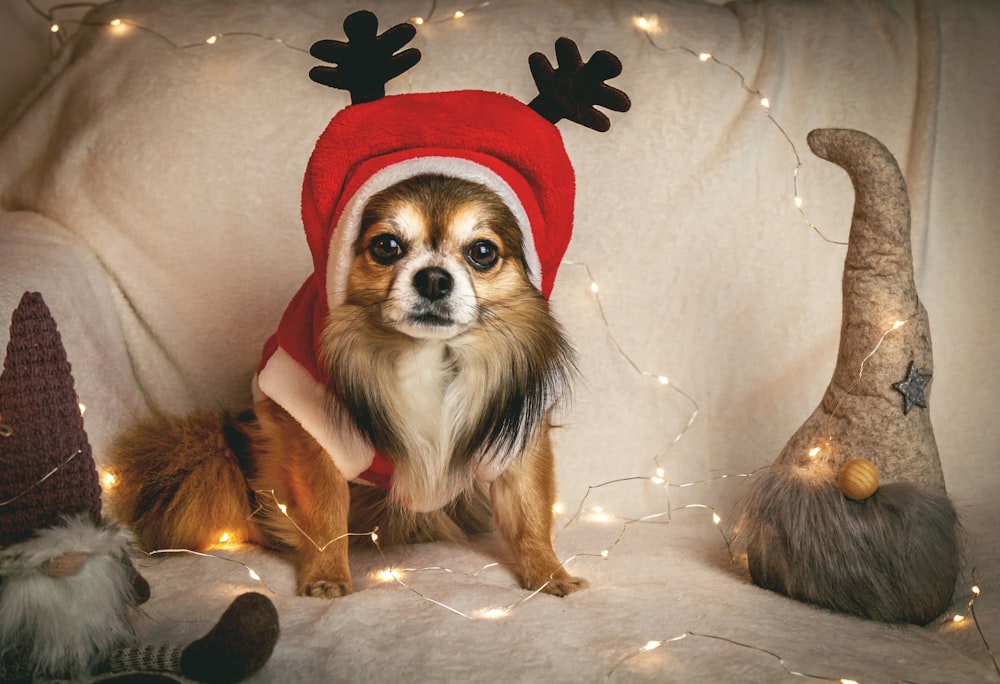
386,249
482,254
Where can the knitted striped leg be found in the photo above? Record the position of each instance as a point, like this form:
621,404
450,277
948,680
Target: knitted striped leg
147,659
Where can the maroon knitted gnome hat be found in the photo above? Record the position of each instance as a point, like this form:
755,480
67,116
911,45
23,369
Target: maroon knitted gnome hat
46,466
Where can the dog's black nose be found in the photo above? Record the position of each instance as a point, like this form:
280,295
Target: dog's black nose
432,283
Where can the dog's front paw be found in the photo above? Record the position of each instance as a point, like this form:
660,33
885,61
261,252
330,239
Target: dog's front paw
557,584
325,589
325,575
563,586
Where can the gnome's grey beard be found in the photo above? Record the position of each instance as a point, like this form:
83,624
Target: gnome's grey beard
893,557
65,626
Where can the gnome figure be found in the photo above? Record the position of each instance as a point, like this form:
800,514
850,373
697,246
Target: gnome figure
853,515
68,588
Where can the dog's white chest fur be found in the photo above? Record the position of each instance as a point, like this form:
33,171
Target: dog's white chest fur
431,405
424,375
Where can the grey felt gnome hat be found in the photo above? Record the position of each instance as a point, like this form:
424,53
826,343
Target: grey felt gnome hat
876,406
46,466
890,549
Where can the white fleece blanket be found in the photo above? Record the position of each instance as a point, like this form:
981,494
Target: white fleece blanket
150,190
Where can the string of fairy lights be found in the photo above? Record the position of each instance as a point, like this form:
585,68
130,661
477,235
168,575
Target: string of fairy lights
655,644
648,26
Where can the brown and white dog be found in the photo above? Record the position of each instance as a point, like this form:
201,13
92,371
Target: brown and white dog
442,355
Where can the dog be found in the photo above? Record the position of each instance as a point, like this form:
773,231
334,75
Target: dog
443,356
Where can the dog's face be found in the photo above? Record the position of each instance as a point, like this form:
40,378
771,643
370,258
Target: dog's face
430,251
443,355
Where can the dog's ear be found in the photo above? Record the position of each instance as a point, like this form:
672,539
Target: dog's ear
366,61
574,90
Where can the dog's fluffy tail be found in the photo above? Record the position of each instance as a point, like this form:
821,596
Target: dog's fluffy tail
179,482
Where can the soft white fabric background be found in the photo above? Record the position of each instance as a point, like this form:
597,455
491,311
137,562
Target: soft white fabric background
150,187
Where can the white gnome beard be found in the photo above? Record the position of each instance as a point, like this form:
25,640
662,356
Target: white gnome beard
65,626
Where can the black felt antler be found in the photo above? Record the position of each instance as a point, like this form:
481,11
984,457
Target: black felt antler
367,61
574,90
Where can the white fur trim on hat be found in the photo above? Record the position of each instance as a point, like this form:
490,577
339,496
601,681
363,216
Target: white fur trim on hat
295,390
349,224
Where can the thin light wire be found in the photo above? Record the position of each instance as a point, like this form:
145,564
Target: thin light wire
45,477
253,574
655,644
